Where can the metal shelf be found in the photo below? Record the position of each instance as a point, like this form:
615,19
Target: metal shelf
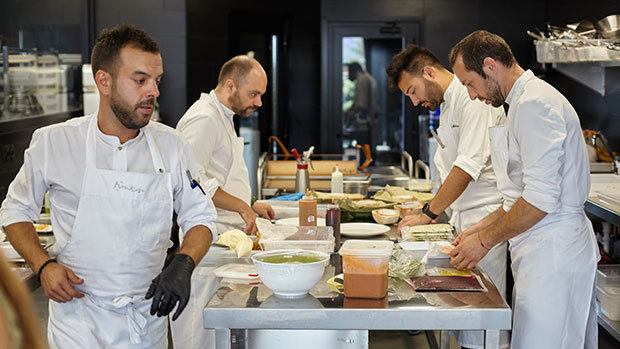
598,76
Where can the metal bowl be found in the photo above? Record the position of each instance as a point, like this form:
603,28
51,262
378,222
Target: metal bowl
609,27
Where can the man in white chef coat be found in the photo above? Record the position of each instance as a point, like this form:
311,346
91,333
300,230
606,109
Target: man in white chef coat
208,127
462,158
114,180
542,170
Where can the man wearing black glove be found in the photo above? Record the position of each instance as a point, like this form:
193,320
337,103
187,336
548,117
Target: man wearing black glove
114,181
172,285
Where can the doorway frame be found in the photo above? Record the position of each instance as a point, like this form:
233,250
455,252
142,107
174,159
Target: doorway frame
332,33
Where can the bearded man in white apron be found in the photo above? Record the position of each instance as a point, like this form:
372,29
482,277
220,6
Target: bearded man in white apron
462,159
114,181
542,170
208,127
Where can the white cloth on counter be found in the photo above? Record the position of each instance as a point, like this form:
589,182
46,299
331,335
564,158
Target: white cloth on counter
540,155
55,161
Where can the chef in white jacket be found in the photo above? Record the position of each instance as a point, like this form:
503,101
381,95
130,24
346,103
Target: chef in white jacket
114,180
208,127
542,170
462,158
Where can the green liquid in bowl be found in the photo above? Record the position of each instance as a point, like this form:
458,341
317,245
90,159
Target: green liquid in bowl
290,259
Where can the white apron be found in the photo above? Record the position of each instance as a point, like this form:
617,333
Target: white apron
118,245
188,331
467,210
554,266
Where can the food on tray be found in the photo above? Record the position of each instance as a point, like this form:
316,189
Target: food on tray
398,194
385,216
328,197
404,265
446,249
43,228
237,241
409,207
428,232
368,203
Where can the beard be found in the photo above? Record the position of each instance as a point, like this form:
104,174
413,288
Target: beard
435,96
237,106
495,92
128,115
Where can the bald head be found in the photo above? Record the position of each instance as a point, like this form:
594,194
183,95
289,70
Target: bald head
240,85
238,68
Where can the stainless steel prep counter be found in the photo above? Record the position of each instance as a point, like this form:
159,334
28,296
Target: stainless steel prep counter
246,306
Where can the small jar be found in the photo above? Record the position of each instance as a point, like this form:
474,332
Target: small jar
332,219
307,211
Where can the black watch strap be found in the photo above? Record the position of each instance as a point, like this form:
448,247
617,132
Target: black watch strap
427,211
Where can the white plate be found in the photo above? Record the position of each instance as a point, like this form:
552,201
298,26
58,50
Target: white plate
295,221
363,229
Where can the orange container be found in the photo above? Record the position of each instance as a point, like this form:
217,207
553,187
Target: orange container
365,266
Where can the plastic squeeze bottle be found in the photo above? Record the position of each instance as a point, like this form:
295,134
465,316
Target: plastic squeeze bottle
337,186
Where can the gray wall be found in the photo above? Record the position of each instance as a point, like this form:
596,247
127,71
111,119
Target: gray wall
212,26
165,20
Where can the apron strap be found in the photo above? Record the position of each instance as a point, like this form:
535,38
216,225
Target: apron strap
136,321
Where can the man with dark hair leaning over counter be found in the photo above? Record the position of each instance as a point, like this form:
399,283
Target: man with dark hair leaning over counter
462,159
114,180
542,170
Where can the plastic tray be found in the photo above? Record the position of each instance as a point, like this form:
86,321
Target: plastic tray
608,275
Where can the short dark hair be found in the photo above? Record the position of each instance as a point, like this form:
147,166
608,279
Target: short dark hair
236,68
412,59
475,47
110,42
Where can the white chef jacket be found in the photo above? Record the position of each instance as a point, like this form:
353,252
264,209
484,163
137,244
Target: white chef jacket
542,128
55,161
541,156
210,144
469,121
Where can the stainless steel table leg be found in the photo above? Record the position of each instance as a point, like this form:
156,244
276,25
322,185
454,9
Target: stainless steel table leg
491,339
444,339
222,338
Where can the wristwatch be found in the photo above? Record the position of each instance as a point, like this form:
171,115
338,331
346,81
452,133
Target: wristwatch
427,211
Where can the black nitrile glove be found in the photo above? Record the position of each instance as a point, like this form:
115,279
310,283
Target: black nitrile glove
171,285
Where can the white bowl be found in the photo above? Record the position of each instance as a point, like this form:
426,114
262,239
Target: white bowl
385,216
290,279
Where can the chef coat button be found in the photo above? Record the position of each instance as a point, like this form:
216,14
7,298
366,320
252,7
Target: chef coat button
120,148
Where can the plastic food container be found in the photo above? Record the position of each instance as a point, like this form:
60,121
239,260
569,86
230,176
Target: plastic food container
609,297
365,266
608,275
305,238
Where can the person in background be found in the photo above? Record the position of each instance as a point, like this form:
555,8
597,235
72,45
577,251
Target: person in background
114,180
542,170
208,127
462,160
18,323
365,112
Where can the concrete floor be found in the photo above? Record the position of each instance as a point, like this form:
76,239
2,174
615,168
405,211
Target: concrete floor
376,339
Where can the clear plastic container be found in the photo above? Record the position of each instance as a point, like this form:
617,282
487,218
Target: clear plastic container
608,275
365,265
609,297
305,238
